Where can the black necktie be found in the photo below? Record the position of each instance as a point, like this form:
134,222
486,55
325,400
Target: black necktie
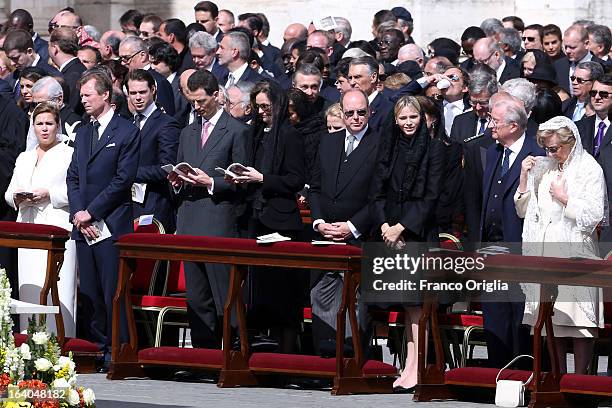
138,118
95,135
483,126
506,162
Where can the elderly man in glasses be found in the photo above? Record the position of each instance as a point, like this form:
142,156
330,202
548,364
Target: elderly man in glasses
585,75
339,204
67,18
488,52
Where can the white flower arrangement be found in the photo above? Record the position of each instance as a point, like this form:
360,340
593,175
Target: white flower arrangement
35,371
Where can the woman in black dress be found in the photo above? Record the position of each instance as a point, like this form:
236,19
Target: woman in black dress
408,182
275,175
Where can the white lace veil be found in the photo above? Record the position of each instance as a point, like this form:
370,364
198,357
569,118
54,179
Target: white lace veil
592,213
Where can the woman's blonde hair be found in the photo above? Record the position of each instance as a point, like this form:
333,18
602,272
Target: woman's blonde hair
405,101
565,135
334,110
529,57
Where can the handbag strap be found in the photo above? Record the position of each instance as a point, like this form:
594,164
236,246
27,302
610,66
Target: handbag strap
510,363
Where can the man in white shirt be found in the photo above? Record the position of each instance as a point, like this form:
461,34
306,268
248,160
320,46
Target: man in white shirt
453,96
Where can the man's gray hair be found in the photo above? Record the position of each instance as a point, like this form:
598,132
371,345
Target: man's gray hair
344,26
491,26
245,88
306,69
201,39
511,37
595,69
240,41
523,90
368,61
601,34
482,79
135,43
49,86
514,110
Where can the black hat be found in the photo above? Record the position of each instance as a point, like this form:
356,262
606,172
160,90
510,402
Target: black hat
410,68
544,72
401,13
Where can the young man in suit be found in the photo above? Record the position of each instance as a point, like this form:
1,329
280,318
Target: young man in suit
174,32
63,49
363,74
503,314
339,205
487,51
233,53
22,19
206,13
218,141
134,55
19,48
99,181
593,128
159,139
575,45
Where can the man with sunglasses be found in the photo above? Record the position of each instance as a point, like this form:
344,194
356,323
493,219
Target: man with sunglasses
67,18
575,45
488,52
532,37
595,130
390,43
339,204
134,55
585,75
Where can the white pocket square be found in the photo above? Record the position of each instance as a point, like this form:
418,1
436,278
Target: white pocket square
110,145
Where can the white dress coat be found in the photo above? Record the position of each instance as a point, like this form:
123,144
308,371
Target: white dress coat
49,173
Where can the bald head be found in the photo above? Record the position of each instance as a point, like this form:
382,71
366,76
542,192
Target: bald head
576,42
109,44
69,19
437,65
356,111
297,31
509,118
411,52
488,51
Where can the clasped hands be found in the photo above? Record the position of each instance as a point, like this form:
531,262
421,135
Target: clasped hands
82,221
392,235
39,195
337,231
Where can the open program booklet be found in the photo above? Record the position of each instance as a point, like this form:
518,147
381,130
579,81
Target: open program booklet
233,170
182,169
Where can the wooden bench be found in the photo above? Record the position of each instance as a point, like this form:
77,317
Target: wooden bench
241,367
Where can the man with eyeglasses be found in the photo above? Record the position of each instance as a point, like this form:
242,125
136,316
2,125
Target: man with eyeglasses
390,43
453,104
503,315
575,45
595,130
134,55
488,52
339,205
582,81
67,18
238,102
19,48
471,130
532,37
363,74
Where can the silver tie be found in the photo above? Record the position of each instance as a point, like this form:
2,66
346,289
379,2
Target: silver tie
351,145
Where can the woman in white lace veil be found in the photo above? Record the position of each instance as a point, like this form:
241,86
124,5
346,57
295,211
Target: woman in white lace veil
563,199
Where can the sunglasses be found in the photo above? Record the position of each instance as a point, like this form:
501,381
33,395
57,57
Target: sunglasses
530,39
603,94
53,26
437,97
551,149
263,106
359,112
579,81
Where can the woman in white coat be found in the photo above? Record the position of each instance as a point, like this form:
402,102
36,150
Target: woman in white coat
42,173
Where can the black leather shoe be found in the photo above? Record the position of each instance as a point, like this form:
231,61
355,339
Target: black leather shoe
263,344
398,389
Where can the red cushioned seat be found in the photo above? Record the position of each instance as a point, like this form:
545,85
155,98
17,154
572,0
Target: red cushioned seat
239,244
396,317
586,384
159,301
37,229
307,313
482,377
79,346
179,355
459,319
375,367
292,363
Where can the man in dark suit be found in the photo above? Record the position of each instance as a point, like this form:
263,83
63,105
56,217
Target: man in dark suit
203,48
174,32
471,130
585,75
575,44
363,74
133,54
22,19
63,48
99,180
206,13
233,53
593,128
218,141
339,204
503,313
487,51
159,139
19,48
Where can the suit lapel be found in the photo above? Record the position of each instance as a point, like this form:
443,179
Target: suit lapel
149,124
215,137
607,139
335,158
515,170
493,156
107,136
356,159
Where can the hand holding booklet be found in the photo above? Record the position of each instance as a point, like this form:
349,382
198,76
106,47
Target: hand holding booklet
182,169
233,170
103,232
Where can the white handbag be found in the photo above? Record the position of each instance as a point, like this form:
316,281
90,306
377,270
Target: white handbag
511,393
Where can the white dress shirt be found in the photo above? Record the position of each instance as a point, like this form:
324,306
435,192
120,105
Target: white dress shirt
104,121
515,148
66,63
451,110
146,113
597,122
237,74
500,69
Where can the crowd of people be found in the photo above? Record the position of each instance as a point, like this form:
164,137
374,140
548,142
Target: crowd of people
504,136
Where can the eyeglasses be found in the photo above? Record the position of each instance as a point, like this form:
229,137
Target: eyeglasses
484,61
437,97
454,77
578,80
493,124
551,149
481,103
530,39
359,112
602,94
53,26
264,107
127,59
383,42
